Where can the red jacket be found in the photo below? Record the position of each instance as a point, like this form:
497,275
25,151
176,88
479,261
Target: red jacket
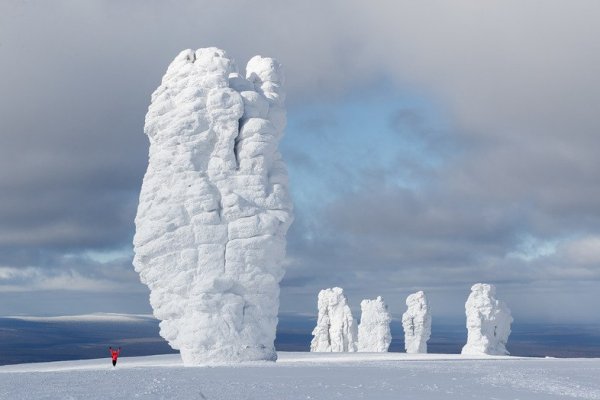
114,353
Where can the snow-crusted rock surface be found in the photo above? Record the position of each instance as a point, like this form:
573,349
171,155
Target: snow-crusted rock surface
488,322
416,322
336,329
374,334
214,207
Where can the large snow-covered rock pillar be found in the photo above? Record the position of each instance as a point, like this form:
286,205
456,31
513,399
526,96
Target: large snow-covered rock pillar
336,329
374,334
214,207
488,322
416,322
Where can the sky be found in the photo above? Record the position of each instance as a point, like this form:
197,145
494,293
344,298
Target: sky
430,145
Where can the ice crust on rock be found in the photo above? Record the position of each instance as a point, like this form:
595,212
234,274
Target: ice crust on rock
488,322
374,334
416,322
336,329
214,207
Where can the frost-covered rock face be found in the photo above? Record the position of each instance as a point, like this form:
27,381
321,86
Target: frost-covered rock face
374,333
416,322
214,207
336,329
488,322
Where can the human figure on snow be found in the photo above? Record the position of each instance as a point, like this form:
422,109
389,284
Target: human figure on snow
114,354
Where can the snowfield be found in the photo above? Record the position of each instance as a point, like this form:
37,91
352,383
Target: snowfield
309,376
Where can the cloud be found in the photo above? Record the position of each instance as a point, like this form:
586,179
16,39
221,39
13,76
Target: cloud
584,251
381,238
390,195
72,273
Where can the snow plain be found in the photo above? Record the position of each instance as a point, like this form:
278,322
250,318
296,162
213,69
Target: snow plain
378,376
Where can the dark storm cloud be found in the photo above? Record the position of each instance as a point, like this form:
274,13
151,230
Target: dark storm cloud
71,149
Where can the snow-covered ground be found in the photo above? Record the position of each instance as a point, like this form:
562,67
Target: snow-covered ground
309,376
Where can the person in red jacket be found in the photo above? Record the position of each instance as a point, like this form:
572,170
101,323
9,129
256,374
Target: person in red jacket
114,354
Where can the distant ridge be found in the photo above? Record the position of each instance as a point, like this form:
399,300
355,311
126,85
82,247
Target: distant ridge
99,317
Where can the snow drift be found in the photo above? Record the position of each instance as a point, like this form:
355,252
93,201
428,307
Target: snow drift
488,322
214,207
336,329
374,333
416,322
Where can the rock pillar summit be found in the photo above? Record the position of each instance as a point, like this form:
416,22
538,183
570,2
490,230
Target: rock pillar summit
336,329
374,334
214,207
416,322
488,322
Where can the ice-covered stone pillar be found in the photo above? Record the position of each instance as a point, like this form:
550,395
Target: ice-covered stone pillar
214,207
416,322
488,322
374,333
336,329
